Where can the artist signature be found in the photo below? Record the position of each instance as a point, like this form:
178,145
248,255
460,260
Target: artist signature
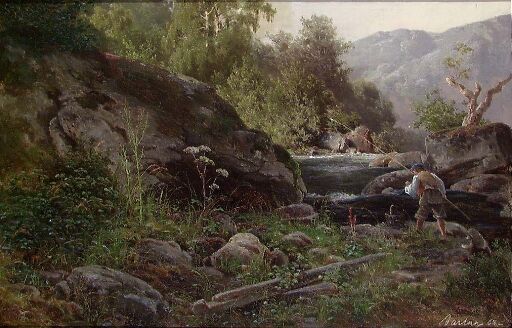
450,321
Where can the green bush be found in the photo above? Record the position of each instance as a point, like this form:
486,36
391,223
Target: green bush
435,113
46,25
61,208
485,277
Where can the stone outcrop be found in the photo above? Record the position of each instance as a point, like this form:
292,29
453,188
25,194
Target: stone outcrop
298,212
395,180
98,101
406,159
382,160
242,248
125,293
162,252
467,152
398,160
359,140
297,239
498,187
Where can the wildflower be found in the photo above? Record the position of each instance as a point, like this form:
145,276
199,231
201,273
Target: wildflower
206,160
204,149
214,186
191,150
222,172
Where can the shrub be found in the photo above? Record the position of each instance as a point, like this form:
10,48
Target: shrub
436,114
46,25
485,277
62,207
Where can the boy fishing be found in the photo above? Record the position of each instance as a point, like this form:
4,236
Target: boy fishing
431,191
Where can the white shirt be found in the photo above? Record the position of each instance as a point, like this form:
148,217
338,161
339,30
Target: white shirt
412,189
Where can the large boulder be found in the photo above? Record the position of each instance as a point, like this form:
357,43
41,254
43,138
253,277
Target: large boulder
395,180
331,141
498,187
467,152
382,160
360,139
298,212
162,252
401,160
242,248
297,239
123,292
96,101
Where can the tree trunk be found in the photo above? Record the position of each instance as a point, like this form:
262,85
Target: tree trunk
476,112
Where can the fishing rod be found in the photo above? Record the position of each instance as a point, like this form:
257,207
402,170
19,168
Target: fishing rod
405,167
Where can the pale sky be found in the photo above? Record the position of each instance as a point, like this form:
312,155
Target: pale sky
358,20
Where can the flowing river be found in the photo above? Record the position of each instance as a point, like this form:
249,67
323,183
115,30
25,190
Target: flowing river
340,173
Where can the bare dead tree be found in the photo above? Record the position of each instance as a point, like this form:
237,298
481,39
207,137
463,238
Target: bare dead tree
476,110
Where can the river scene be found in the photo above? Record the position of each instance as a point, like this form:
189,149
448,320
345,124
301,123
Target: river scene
255,163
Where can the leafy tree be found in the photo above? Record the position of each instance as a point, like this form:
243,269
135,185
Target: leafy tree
46,25
207,39
318,49
436,114
285,107
457,63
127,34
375,111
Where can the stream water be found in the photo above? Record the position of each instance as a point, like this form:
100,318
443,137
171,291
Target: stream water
341,173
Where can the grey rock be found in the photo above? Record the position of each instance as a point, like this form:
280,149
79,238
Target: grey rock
179,112
452,228
241,248
395,180
406,159
298,212
278,258
468,152
162,252
125,292
139,307
382,160
297,239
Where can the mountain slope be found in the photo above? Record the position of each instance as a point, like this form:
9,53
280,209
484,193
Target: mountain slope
406,64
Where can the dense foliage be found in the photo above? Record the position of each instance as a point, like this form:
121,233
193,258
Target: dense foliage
293,88
44,25
436,114
485,277
61,207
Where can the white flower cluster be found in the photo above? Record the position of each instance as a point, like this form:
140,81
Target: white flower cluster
196,150
222,172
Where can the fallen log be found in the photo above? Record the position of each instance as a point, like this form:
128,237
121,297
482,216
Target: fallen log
488,217
316,290
245,295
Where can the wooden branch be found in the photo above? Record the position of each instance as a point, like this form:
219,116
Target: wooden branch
245,295
462,89
491,92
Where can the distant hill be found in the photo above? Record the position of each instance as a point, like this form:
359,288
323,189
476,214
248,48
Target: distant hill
405,64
